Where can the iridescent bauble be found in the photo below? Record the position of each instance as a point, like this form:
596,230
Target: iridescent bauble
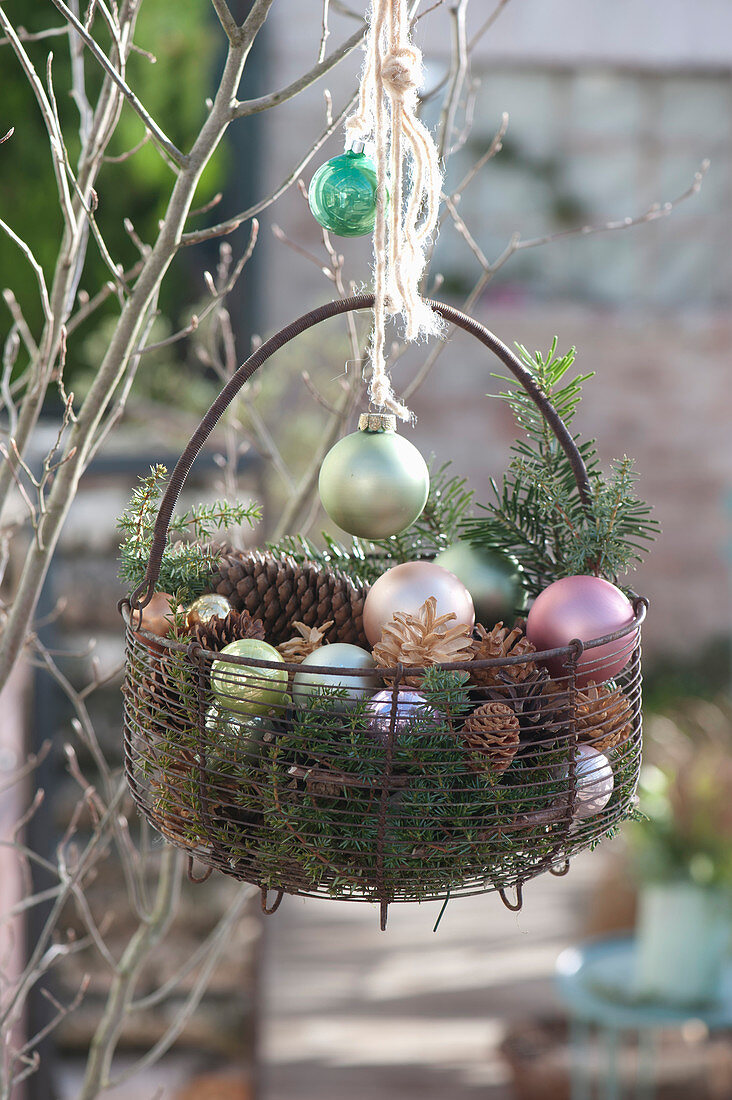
340,656
374,484
210,606
405,588
582,607
342,195
594,782
249,689
413,714
492,579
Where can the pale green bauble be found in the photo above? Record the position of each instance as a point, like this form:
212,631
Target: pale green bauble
492,579
374,484
249,689
337,655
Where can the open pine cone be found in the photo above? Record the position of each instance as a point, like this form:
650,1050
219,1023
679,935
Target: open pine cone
491,734
501,642
215,633
422,639
307,640
604,716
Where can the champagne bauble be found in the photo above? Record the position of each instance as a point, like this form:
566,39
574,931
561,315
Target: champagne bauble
492,579
339,656
249,689
586,608
342,194
373,482
405,588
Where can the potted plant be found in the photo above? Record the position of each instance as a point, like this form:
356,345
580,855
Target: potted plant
683,858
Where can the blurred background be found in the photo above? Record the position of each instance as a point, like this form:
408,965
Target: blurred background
611,110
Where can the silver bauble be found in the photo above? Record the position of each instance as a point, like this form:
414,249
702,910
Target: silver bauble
405,588
595,782
374,484
412,713
339,656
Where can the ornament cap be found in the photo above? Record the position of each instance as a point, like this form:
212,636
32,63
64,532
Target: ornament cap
356,146
377,422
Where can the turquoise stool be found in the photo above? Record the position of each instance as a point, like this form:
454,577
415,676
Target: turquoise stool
591,981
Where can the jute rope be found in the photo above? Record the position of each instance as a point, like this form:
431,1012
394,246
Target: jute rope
409,185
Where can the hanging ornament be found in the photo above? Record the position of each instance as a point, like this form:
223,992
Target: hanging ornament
413,714
594,781
406,587
373,482
338,655
492,578
249,689
583,607
342,194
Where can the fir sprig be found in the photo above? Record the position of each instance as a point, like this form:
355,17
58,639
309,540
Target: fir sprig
188,559
448,504
537,514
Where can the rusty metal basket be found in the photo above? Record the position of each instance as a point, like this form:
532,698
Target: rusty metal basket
327,795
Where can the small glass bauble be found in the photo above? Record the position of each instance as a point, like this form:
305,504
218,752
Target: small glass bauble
413,714
337,655
342,195
249,689
235,739
210,606
374,484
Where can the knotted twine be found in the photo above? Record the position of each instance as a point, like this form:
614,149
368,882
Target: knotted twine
409,182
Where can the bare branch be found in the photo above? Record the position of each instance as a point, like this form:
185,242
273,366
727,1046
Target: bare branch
253,106
227,21
150,124
325,31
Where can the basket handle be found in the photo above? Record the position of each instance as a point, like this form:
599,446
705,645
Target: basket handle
144,591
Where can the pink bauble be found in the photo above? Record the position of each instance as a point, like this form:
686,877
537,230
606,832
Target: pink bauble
406,587
582,607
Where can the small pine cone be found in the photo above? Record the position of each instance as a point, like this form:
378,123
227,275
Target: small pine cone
537,702
491,734
216,633
308,639
422,639
604,716
501,642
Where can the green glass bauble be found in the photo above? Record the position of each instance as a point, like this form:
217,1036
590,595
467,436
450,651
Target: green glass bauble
374,484
249,689
339,656
235,739
342,195
493,580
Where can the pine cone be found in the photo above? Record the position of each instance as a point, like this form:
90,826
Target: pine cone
604,716
308,639
537,702
279,591
501,642
216,633
491,734
422,639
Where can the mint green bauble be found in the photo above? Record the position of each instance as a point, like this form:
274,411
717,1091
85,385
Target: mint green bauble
374,484
339,656
342,195
492,579
248,689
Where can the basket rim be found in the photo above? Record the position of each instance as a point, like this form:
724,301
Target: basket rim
574,649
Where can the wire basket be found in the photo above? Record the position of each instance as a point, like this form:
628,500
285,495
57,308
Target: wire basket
404,784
